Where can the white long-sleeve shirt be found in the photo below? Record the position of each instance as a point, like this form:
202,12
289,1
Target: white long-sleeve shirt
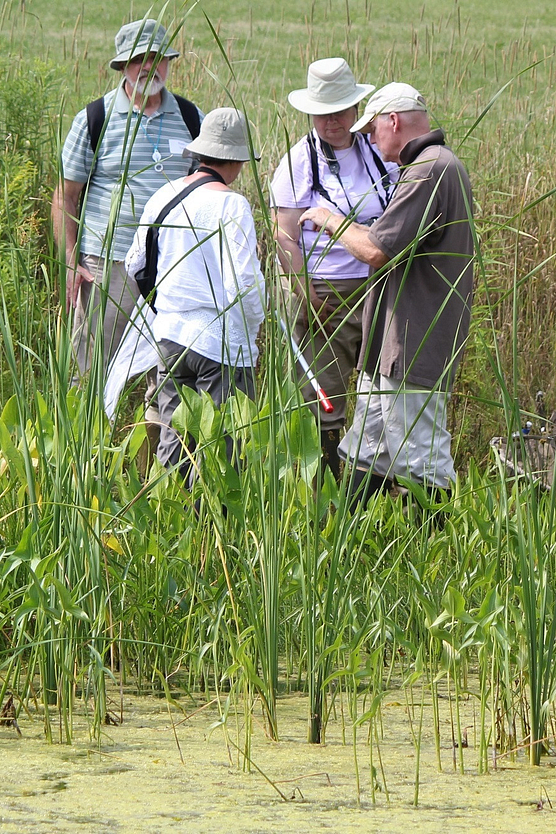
210,290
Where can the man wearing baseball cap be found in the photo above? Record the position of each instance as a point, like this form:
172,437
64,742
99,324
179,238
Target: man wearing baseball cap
416,316
112,163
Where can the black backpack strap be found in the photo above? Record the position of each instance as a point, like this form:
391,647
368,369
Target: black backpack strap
96,115
315,184
189,114
146,277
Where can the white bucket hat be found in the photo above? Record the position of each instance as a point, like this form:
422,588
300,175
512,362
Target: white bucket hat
393,98
140,38
330,88
223,136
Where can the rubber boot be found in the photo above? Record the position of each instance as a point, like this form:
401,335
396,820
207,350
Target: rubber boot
363,484
149,446
329,441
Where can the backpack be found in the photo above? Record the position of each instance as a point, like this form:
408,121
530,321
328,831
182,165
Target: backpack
96,115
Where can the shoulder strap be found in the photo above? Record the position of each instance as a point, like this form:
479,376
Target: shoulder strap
189,114
96,115
316,184
95,120
146,277
381,167
181,196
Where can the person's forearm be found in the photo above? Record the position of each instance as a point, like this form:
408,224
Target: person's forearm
353,236
292,260
289,253
65,208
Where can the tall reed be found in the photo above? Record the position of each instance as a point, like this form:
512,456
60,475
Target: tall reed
273,583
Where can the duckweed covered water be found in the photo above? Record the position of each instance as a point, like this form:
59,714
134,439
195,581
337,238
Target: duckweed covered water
138,783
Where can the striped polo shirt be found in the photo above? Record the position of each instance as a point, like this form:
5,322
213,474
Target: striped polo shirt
124,175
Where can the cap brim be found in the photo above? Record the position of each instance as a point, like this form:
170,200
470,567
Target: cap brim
364,121
301,100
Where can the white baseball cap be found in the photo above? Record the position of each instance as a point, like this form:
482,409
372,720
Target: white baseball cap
393,98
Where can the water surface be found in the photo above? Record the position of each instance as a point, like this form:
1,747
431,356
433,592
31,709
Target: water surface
138,783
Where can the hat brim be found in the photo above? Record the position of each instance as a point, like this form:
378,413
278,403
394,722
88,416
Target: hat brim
302,101
204,147
124,58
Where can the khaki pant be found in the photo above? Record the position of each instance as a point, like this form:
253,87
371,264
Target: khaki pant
111,296
331,358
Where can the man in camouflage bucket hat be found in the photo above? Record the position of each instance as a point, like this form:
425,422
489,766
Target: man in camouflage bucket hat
141,147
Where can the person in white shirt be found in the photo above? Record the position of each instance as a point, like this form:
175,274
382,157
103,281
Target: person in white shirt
209,286
342,172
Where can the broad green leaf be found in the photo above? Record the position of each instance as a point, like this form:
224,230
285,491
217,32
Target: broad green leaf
10,414
304,443
66,601
454,604
11,454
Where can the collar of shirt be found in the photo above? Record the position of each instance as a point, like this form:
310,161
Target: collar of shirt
414,147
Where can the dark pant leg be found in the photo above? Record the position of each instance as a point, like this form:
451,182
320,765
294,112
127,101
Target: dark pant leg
180,366
363,485
220,381
173,373
329,440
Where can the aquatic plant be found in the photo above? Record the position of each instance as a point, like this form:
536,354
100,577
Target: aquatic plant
259,579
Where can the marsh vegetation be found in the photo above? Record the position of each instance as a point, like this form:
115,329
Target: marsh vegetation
273,587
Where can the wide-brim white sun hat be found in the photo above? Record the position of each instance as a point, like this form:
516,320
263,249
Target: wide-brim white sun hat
331,87
224,135
392,98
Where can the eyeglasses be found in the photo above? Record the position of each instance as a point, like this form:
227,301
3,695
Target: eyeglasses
142,59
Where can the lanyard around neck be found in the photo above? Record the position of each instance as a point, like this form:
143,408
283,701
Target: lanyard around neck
334,168
156,155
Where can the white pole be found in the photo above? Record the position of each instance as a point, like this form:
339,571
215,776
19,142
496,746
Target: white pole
311,378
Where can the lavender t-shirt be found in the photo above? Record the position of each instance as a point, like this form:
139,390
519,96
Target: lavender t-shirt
361,186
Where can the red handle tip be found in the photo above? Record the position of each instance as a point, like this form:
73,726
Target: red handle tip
325,402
